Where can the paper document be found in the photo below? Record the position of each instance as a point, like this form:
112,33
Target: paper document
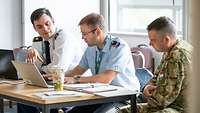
55,94
84,85
92,88
100,89
118,92
105,88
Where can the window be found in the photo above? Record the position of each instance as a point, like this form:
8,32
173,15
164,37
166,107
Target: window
134,15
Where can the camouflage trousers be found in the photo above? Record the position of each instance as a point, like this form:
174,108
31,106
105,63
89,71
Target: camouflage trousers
141,108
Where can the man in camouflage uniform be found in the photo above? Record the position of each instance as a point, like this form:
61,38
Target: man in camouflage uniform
166,91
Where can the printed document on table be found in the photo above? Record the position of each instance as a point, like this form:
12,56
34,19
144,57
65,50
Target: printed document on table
103,88
56,94
83,85
120,91
100,89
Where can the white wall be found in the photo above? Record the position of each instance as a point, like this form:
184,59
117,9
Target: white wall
67,14
10,21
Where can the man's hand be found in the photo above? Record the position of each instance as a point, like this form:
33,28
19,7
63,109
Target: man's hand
33,55
47,77
148,90
69,80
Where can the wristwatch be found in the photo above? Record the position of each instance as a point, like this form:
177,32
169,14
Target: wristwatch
77,79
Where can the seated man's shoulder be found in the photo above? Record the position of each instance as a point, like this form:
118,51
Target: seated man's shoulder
184,47
117,42
180,55
37,39
181,49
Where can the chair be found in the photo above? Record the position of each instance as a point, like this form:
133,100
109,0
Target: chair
144,64
138,58
143,74
147,57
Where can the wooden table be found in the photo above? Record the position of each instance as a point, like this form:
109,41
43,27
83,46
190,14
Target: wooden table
23,93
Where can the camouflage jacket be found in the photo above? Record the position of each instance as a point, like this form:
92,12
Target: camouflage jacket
171,78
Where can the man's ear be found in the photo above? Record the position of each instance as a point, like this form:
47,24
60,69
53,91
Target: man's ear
167,40
98,31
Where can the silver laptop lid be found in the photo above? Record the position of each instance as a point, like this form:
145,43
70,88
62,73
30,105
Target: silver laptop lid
30,73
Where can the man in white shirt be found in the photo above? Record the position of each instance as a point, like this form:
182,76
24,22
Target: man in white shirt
65,50
52,47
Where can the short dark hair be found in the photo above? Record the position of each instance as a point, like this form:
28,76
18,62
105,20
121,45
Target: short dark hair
93,20
38,13
163,25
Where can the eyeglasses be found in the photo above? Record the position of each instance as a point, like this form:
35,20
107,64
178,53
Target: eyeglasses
84,34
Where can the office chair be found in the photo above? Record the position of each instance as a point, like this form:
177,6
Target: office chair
147,56
138,59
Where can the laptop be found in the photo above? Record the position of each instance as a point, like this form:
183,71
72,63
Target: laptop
7,70
30,73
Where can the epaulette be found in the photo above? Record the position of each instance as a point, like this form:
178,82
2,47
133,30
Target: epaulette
115,44
37,39
56,35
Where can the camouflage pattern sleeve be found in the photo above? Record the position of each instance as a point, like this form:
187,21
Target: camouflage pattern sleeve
169,83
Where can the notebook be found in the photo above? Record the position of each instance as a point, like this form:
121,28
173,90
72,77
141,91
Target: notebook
30,74
7,70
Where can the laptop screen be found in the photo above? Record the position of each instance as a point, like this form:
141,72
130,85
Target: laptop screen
7,70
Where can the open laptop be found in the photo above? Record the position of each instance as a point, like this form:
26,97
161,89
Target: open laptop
7,70
30,73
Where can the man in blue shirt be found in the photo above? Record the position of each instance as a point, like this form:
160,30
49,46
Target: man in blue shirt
109,59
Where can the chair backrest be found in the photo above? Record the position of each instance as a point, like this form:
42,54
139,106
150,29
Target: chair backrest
143,75
148,56
138,58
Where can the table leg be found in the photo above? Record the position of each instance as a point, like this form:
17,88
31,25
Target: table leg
45,109
133,104
1,106
10,104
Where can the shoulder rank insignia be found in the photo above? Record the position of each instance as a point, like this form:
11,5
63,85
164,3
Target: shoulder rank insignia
37,39
56,35
115,44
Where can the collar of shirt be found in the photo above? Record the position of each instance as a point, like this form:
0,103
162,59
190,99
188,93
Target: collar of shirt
168,54
106,47
53,38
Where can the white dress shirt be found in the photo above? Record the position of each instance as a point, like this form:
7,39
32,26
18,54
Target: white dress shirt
65,51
